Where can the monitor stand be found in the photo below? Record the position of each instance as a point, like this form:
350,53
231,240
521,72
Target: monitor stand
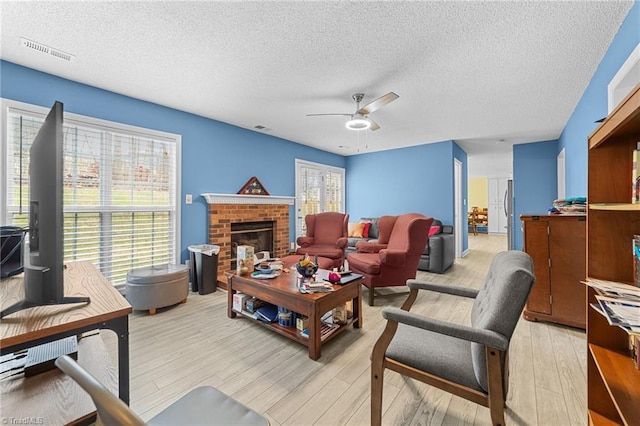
38,293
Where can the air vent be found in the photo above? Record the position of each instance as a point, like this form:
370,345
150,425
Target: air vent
261,127
42,48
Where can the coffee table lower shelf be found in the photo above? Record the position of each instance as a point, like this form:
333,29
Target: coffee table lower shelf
292,332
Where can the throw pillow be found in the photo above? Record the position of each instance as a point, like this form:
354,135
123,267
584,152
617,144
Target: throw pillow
356,230
434,230
365,231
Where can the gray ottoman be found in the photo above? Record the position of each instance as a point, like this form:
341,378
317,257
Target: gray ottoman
157,286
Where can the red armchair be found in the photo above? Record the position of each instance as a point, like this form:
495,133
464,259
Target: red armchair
326,236
394,258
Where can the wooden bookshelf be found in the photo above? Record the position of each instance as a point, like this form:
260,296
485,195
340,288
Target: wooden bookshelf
612,221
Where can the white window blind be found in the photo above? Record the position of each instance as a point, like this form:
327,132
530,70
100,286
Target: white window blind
319,188
120,186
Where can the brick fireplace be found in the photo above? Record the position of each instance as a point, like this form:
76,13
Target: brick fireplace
225,209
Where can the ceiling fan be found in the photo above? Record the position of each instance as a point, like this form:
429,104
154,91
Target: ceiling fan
360,119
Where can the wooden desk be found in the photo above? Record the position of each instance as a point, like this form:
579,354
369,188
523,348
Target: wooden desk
42,324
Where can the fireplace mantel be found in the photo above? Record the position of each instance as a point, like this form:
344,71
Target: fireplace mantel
247,199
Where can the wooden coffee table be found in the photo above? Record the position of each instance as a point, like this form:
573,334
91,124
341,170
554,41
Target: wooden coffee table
283,291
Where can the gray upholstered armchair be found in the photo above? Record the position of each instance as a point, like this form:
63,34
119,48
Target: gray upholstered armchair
467,361
202,405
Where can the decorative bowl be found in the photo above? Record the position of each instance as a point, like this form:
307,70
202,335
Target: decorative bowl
307,271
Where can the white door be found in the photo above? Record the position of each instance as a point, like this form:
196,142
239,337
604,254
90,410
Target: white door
494,219
459,204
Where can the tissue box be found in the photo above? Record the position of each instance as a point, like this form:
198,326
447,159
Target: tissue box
340,314
244,256
302,323
240,301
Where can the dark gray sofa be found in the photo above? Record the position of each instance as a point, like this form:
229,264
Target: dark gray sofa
440,252
438,255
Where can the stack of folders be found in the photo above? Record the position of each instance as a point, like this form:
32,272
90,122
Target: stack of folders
316,287
619,303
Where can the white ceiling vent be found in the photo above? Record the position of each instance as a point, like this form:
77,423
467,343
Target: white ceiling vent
42,48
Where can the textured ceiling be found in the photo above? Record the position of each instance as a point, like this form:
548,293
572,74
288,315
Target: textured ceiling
475,72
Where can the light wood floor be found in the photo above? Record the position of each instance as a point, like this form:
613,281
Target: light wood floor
196,344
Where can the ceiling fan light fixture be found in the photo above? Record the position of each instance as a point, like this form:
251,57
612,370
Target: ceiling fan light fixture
358,123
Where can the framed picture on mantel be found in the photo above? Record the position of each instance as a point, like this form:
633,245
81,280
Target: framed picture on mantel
253,187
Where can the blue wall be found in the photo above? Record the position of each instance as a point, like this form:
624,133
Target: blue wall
409,179
593,104
414,179
535,186
210,149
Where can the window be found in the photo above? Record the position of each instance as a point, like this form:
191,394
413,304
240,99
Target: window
319,188
120,189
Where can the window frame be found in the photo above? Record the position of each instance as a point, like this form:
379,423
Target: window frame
7,106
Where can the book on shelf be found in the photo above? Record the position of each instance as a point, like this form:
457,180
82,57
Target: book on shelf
636,260
635,175
326,329
268,313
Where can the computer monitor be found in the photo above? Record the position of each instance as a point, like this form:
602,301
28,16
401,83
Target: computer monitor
44,257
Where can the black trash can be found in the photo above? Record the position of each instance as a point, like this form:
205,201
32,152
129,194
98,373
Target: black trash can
11,238
203,268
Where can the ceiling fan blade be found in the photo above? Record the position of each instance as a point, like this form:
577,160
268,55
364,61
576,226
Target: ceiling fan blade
374,125
317,115
378,103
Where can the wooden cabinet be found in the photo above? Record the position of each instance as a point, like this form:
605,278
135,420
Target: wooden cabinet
613,384
557,245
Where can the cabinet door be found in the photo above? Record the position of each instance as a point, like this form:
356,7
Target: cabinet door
567,248
536,244
494,191
494,218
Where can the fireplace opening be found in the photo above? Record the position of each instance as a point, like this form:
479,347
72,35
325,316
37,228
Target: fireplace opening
258,235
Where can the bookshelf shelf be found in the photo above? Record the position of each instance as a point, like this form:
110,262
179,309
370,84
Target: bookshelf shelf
621,379
615,207
613,395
